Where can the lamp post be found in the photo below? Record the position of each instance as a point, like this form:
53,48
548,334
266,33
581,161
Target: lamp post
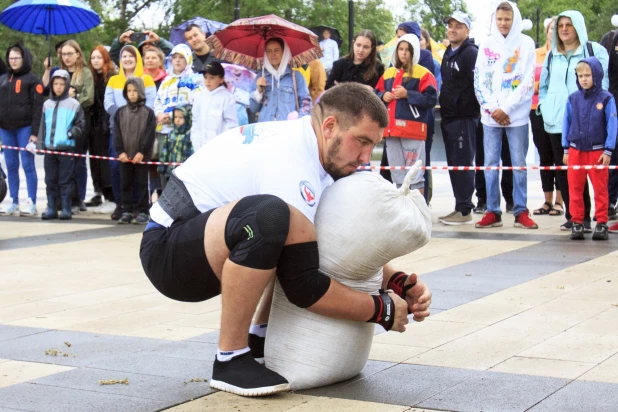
350,23
237,10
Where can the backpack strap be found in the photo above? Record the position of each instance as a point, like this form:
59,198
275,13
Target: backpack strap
590,50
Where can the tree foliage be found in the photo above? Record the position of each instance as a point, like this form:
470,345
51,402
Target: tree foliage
369,14
430,14
119,15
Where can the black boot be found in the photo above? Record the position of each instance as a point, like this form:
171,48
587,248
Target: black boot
66,214
96,200
52,211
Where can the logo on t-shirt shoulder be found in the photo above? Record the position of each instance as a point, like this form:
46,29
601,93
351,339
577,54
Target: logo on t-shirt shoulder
307,192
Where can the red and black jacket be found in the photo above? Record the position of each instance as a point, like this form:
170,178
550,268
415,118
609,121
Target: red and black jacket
408,117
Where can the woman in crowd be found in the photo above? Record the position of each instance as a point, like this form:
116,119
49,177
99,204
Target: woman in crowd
102,69
569,46
281,93
82,90
361,65
21,102
154,65
541,137
130,66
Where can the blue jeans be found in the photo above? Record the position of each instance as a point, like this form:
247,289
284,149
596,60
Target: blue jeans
19,137
518,145
114,167
81,177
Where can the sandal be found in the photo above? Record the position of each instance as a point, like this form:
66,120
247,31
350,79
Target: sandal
542,211
557,212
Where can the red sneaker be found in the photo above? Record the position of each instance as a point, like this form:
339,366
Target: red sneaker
613,228
523,220
490,219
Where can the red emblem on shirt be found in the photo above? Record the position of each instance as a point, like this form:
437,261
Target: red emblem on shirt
307,192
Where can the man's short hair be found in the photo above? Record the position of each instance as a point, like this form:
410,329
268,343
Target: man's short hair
193,26
350,102
505,6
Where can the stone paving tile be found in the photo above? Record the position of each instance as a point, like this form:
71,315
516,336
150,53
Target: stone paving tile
8,332
148,363
544,367
173,390
85,347
198,351
41,398
18,372
400,385
497,392
226,402
371,368
581,396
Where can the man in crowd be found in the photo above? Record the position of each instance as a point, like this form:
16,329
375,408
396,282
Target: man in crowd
460,114
148,40
504,85
330,50
202,54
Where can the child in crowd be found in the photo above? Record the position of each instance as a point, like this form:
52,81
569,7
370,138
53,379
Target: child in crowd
588,138
214,109
409,91
177,147
134,132
61,125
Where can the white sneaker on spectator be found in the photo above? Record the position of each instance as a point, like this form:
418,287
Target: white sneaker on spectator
12,209
28,209
105,209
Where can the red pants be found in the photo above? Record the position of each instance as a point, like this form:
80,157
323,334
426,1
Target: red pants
577,181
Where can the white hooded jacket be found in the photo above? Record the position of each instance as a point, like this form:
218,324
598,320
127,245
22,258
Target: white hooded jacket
214,112
504,73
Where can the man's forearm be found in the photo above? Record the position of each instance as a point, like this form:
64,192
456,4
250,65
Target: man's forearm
342,302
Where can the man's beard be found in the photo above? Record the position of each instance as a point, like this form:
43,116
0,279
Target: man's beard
329,164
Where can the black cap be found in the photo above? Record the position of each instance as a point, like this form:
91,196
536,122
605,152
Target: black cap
214,68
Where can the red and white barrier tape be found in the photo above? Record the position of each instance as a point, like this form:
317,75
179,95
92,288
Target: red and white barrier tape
454,168
88,156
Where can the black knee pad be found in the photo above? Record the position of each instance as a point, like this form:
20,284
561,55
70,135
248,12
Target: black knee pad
256,230
299,275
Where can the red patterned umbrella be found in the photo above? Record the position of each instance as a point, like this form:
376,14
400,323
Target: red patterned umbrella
243,41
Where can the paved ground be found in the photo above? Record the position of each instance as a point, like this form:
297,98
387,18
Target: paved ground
521,320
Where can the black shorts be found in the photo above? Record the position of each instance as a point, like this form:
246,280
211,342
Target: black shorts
175,261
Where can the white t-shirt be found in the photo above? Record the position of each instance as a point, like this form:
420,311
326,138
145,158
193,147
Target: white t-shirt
276,158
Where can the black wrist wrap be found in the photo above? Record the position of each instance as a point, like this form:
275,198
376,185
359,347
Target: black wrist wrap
384,314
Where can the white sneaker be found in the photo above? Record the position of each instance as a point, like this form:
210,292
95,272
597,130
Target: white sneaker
28,209
12,209
105,209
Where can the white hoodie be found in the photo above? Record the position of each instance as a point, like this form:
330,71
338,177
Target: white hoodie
504,73
214,112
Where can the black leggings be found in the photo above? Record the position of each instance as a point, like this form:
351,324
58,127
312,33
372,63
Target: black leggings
546,154
561,175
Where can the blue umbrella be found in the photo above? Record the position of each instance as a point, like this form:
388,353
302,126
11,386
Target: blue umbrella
50,17
177,35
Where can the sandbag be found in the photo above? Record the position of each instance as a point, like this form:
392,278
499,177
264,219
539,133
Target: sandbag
362,223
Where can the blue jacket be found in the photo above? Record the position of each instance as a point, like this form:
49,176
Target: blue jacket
560,81
590,116
277,102
62,122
